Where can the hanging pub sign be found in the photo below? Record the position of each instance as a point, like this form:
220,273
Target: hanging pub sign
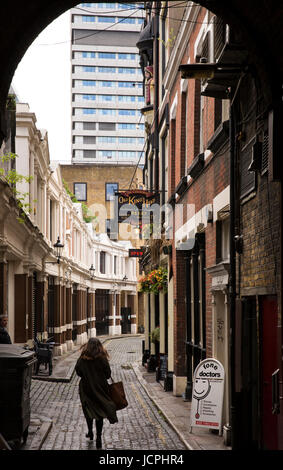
133,205
136,252
208,391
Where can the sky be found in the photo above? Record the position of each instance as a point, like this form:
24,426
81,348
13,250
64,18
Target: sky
43,80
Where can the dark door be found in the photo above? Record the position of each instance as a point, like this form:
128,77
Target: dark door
50,326
269,365
101,311
74,312
126,320
250,429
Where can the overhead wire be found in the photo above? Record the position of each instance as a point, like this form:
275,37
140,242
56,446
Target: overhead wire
89,35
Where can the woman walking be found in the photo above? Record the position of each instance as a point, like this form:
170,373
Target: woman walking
94,369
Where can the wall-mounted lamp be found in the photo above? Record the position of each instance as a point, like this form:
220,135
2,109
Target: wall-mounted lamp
58,249
91,272
58,252
125,280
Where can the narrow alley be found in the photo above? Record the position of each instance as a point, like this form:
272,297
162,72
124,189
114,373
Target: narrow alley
141,426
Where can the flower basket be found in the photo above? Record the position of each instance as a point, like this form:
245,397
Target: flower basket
155,281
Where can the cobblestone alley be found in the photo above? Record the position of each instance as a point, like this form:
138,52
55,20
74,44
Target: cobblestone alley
141,426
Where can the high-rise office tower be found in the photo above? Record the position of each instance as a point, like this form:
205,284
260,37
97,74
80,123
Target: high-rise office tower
107,83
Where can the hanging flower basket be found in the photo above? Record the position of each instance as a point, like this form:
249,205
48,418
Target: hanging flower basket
155,281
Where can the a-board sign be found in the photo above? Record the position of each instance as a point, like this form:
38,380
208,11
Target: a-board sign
208,391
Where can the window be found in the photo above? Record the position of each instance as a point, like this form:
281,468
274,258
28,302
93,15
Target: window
89,126
107,126
127,154
88,111
80,191
247,178
89,139
107,112
89,97
126,84
124,56
127,20
106,98
88,19
106,140
127,112
106,55
115,265
222,239
129,70
127,99
87,69
110,189
127,140
107,154
107,69
106,5
106,19
102,262
88,55
107,84
89,154
89,83
124,125
124,6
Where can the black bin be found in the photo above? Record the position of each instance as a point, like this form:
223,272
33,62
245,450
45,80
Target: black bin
16,366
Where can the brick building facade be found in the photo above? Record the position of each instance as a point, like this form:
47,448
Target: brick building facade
224,271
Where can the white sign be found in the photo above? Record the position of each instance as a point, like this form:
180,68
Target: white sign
208,390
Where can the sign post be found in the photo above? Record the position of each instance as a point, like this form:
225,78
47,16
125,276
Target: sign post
208,391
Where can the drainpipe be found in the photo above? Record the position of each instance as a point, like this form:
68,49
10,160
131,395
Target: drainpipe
232,285
156,99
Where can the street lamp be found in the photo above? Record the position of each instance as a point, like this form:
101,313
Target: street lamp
58,249
91,272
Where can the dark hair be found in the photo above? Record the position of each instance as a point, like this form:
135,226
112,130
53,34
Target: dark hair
93,349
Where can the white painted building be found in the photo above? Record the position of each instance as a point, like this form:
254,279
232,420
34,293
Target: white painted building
45,298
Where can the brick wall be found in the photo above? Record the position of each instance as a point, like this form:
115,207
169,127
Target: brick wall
260,226
96,176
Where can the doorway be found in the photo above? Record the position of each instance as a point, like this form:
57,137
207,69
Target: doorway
268,316
101,311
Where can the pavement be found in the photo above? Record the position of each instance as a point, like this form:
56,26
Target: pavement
174,409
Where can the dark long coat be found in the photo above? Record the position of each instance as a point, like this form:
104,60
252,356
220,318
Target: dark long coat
94,389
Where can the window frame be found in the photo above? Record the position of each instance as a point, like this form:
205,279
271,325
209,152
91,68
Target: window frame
106,192
74,188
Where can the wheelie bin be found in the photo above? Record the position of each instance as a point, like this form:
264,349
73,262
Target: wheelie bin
16,367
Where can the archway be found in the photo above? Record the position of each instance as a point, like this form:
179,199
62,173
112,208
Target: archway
20,24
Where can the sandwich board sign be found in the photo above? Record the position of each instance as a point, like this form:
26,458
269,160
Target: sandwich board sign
208,391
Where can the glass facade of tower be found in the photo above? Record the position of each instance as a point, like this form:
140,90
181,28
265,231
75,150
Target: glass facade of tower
107,84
